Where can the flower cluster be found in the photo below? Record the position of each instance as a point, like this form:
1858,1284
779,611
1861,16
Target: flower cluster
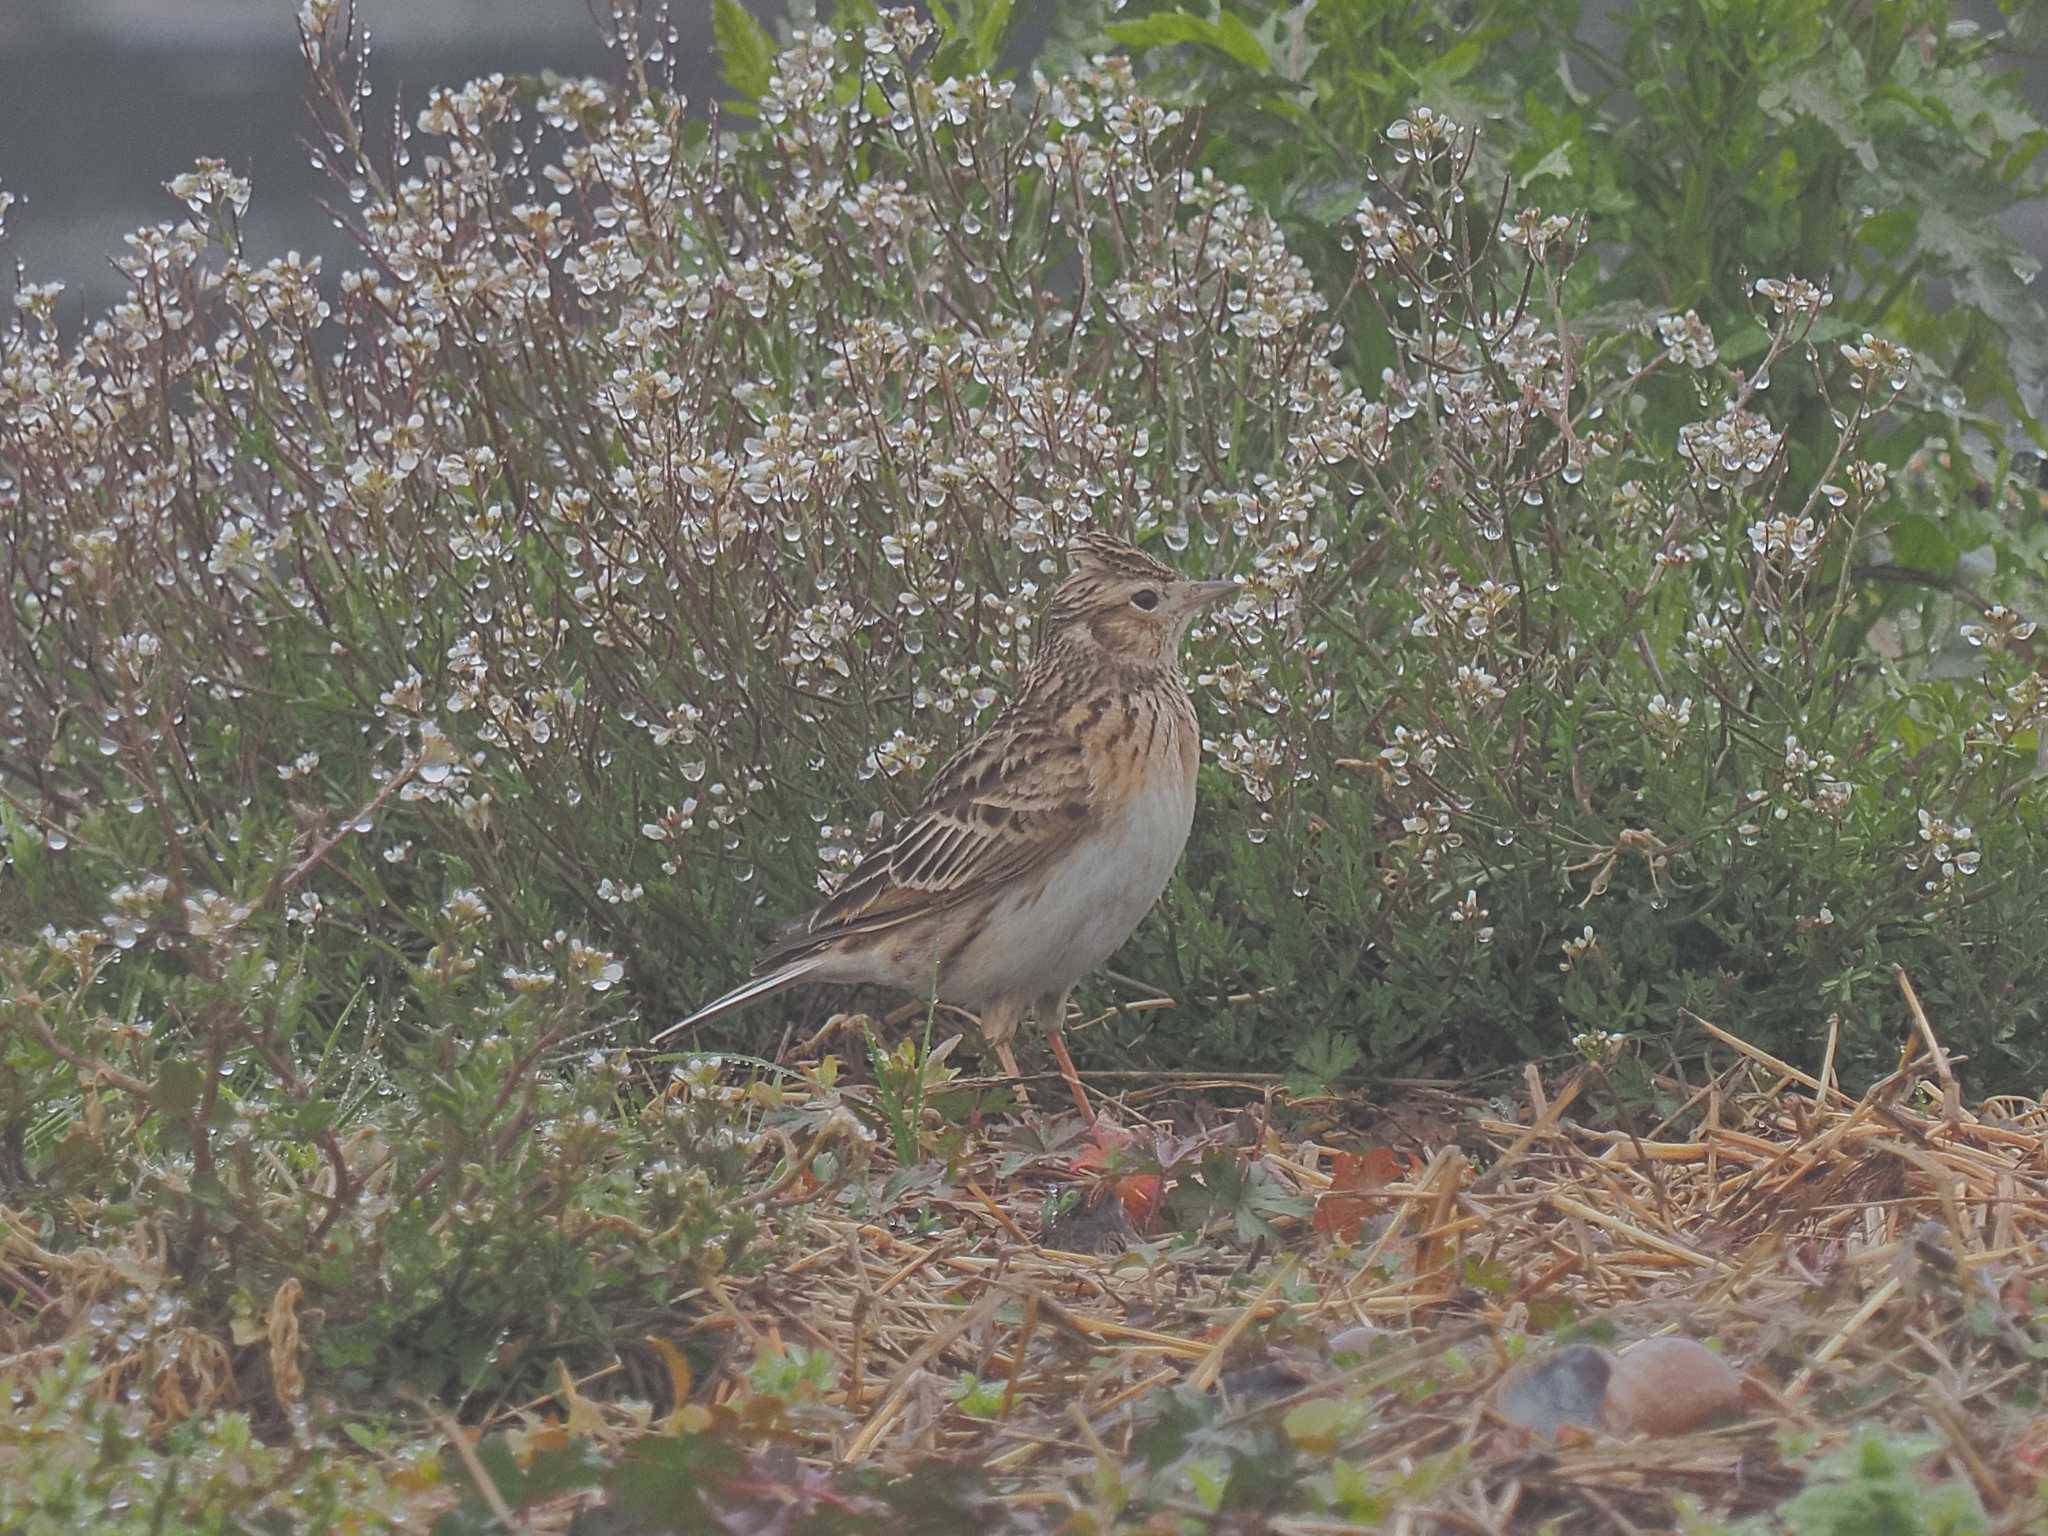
665,506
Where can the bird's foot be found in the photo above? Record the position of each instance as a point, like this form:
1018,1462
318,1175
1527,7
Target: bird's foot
1072,1078
1007,1060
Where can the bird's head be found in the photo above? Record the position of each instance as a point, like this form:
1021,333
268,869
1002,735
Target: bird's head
1119,599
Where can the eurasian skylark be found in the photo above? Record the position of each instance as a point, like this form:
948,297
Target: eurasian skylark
1042,844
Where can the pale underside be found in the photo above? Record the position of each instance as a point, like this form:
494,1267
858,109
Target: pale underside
1032,939
1040,849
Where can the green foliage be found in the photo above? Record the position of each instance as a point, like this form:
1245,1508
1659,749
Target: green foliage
701,1484
1868,148
909,1081
971,34
1235,1191
420,707
81,1456
445,1188
976,1398
1223,32
419,682
746,52
796,1375
1870,1488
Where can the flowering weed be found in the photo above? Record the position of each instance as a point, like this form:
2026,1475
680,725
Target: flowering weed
416,677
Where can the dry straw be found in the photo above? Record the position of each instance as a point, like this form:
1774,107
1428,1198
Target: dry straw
1862,1259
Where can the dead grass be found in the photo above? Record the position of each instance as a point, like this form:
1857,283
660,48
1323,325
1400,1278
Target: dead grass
1872,1259
1863,1260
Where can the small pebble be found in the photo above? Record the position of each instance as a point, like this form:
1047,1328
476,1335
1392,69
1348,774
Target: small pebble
1668,1386
1355,1340
1565,1387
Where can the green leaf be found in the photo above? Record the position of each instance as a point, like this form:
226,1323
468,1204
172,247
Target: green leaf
1208,1480
1352,1490
177,1088
1433,78
1226,34
976,1398
745,50
1318,1425
1959,229
579,1464
1287,43
990,28
973,34
661,1480
1833,103
494,1458
312,1117
1557,163
1919,544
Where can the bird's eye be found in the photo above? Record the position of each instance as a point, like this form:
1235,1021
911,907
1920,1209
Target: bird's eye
1145,598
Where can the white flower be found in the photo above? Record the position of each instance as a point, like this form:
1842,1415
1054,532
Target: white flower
1577,948
1687,340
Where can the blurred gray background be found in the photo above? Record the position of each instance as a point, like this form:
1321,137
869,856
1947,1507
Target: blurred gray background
102,101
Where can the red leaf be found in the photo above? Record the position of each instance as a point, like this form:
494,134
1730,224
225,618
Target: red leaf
2032,1451
1104,1141
1354,1176
1137,1193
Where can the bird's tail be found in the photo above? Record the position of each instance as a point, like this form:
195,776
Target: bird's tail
769,981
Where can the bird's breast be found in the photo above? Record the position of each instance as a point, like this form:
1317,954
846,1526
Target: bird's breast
1052,931
1043,932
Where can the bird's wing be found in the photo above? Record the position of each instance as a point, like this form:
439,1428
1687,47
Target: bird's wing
1001,807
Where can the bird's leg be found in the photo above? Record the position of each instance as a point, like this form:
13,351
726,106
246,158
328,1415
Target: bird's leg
1007,1060
999,1024
1052,1012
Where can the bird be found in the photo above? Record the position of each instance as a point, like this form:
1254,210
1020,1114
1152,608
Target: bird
1039,846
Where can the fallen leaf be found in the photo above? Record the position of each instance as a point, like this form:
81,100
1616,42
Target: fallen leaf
1138,1193
2032,1451
1351,1197
679,1374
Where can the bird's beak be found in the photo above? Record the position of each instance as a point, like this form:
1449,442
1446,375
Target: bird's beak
1202,594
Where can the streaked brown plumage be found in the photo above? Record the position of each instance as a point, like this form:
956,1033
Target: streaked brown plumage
1040,845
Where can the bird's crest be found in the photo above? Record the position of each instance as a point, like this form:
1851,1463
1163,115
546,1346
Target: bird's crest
1104,576
1105,555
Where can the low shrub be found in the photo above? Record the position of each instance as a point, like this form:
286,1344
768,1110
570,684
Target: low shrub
420,682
